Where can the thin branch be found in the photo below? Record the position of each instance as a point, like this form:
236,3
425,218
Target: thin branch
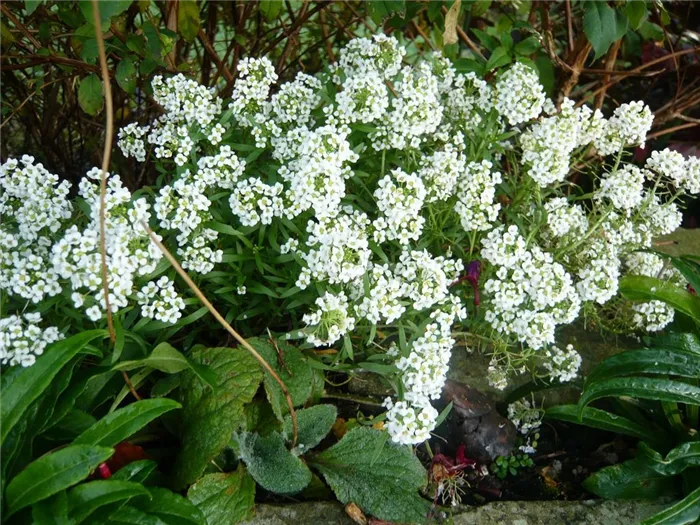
109,135
12,18
662,132
226,325
212,53
465,38
569,26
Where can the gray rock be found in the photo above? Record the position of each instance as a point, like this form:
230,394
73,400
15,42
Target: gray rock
498,513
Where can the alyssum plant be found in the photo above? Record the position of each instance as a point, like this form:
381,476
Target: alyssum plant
381,208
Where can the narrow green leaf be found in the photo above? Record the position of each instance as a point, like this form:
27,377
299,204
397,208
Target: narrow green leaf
225,497
88,497
21,386
648,361
382,478
170,508
640,288
137,471
270,463
680,458
601,419
499,57
120,424
641,388
684,512
52,473
52,511
632,479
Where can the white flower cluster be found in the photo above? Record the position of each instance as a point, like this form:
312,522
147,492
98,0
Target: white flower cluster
562,365
525,416
33,208
409,424
330,321
21,341
563,218
255,77
531,293
519,94
441,171
159,300
683,173
623,188
255,202
627,127
400,198
475,199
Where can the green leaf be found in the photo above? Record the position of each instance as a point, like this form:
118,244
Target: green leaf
52,473
21,386
603,26
107,10
270,9
601,419
382,478
52,511
680,458
640,288
88,497
292,367
685,511
170,508
313,423
499,57
210,417
636,12
479,7
136,43
120,424
224,498
381,9
528,46
641,388
137,471
687,342
632,479
270,463
188,19
126,75
90,95
31,5
167,359
647,361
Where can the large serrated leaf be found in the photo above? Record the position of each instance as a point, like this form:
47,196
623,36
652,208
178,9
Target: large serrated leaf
292,367
601,419
52,473
642,388
656,361
88,497
21,386
225,497
313,424
270,463
382,478
120,424
632,479
210,417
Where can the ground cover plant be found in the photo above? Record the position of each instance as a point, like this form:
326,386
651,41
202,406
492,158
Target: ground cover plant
165,349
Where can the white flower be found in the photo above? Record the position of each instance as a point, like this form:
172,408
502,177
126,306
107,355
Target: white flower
519,94
160,301
21,341
628,126
330,321
562,365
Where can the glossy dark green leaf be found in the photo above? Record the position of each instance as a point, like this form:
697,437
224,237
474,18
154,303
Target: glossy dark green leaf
86,498
137,471
188,19
52,511
657,361
499,57
632,479
225,497
684,456
528,46
107,10
21,386
682,341
382,478
642,388
684,512
52,473
601,419
313,425
31,5
636,12
210,417
170,508
120,424
640,288
292,367
270,463
90,95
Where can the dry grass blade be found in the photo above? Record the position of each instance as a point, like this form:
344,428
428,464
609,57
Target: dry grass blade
228,327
